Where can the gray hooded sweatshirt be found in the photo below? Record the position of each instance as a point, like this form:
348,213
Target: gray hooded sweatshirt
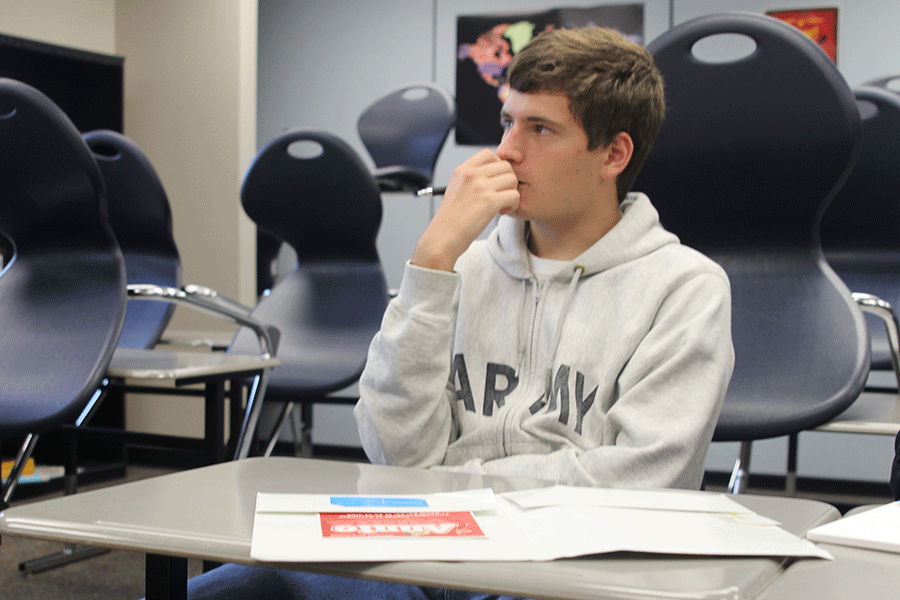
610,373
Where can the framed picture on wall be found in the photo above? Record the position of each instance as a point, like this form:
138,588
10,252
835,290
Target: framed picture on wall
820,24
487,43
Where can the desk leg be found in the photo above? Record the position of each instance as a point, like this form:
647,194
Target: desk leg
215,420
236,411
165,578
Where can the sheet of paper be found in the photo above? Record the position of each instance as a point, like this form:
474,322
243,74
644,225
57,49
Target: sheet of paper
877,529
563,523
472,500
669,500
568,531
297,537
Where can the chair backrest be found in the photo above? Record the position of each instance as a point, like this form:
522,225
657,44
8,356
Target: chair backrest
141,219
861,228
62,288
750,153
404,133
313,191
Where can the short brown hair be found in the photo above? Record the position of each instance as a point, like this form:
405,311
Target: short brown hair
611,83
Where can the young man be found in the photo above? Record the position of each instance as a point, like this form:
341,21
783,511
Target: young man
580,343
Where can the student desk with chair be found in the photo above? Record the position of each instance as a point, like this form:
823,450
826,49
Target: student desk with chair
208,514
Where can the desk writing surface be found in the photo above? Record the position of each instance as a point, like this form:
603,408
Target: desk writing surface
135,363
881,379
208,513
855,573
875,413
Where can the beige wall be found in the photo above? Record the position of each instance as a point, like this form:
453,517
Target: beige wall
190,104
86,24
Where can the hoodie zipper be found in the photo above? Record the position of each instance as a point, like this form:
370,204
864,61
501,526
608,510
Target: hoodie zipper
527,347
540,289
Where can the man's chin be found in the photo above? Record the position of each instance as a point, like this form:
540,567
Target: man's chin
515,213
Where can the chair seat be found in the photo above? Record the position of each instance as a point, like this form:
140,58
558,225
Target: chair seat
749,417
65,296
327,316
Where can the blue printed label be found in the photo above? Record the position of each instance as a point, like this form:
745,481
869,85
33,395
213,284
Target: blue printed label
376,501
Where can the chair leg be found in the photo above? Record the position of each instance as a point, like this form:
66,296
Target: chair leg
251,415
790,480
297,431
306,445
67,556
741,472
300,417
286,411
71,553
12,481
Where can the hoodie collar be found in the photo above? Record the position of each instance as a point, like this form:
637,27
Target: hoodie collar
637,234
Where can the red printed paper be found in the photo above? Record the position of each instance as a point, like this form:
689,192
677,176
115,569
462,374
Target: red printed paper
380,525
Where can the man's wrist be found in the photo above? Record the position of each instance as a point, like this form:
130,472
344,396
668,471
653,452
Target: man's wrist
426,257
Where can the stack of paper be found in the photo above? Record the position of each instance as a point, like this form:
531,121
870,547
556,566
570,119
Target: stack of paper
542,524
877,529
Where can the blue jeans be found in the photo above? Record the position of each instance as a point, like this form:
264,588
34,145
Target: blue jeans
233,582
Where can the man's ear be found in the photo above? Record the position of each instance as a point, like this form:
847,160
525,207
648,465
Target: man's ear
618,154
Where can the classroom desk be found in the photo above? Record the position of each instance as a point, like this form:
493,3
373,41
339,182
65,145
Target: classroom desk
207,513
157,371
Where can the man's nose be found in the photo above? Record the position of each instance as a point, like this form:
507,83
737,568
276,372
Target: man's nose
509,148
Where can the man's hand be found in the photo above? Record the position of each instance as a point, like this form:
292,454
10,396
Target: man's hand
480,188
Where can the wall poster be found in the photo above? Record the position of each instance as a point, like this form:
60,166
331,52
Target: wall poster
486,44
820,24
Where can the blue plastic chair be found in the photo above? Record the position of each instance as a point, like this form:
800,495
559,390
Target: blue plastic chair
312,190
751,152
404,133
62,285
141,220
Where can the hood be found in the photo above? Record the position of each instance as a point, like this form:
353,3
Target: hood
637,234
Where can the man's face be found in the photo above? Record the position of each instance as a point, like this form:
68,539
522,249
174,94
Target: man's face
559,179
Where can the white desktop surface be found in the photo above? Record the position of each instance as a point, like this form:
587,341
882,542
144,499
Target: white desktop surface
134,363
208,513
